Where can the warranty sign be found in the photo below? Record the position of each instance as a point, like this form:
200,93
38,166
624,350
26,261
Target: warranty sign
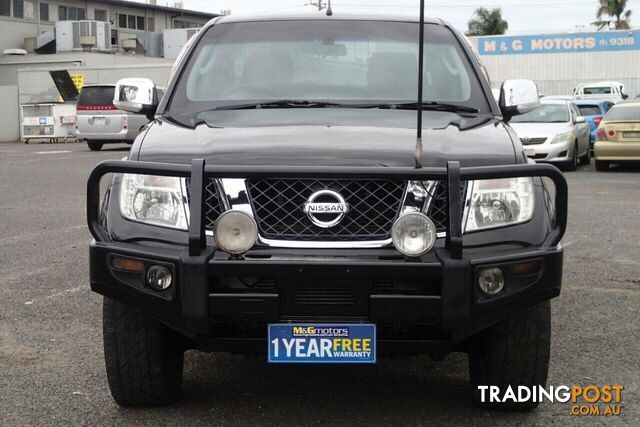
322,343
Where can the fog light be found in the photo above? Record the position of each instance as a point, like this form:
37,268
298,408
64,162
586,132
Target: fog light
491,280
235,232
159,277
413,234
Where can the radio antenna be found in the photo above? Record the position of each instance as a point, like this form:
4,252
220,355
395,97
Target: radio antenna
418,150
329,11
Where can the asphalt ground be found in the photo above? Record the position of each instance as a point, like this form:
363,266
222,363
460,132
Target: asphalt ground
51,360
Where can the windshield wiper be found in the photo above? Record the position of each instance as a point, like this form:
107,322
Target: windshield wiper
285,103
290,103
430,106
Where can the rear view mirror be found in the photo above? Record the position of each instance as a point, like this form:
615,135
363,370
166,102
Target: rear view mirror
581,119
137,96
518,97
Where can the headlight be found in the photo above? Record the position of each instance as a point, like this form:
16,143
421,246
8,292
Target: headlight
562,138
413,234
155,200
499,203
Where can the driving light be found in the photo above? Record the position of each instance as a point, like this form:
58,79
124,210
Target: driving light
235,232
491,280
155,200
499,203
413,234
159,277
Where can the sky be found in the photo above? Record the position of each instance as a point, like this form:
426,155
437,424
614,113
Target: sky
524,16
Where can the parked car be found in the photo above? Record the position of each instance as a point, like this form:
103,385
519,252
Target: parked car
285,202
593,112
618,136
602,90
555,132
99,122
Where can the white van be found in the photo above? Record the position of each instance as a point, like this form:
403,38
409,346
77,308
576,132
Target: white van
601,90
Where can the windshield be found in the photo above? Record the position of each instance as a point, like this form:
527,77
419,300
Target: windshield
604,90
589,110
96,96
624,113
549,113
338,62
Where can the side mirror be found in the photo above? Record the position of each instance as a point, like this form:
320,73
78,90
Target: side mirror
137,96
518,97
581,119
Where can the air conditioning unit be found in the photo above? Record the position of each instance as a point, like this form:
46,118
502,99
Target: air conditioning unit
80,35
174,40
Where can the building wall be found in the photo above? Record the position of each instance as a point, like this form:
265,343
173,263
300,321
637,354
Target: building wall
559,73
26,79
9,120
13,31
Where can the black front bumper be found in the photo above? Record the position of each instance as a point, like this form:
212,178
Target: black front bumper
431,304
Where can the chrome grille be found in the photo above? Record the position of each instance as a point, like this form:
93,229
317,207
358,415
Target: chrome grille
533,141
437,207
213,207
278,208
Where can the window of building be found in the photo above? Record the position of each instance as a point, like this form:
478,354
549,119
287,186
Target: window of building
132,22
184,24
70,13
150,24
18,9
44,11
5,7
100,15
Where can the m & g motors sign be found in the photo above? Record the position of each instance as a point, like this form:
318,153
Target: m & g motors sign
560,43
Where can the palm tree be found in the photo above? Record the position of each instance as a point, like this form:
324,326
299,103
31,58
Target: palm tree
614,9
487,23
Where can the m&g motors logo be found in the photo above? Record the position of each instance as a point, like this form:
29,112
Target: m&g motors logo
313,331
587,400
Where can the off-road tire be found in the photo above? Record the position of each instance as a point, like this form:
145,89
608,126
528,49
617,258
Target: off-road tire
95,145
602,166
513,352
144,358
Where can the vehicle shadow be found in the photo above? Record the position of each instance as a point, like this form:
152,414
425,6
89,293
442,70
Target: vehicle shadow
406,390
625,167
115,148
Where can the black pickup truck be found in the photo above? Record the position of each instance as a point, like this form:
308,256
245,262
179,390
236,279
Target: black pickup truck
279,203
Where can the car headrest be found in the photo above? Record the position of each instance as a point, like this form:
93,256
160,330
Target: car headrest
268,68
394,72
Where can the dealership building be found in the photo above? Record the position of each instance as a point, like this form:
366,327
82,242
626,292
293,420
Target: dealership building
100,41
559,62
23,20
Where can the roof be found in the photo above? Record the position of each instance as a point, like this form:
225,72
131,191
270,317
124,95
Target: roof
178,11
604,83
631,103
339,13
555,101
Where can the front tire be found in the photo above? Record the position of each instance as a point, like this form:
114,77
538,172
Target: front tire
95,145
572,164
144,358
586,159
511,353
